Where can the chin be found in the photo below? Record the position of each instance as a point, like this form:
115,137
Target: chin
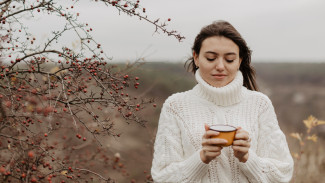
219,85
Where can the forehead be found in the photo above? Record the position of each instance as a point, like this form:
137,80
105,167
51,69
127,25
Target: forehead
219,44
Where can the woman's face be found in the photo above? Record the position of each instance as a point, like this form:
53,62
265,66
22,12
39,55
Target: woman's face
218,60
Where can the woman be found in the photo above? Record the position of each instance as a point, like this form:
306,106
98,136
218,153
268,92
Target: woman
226,93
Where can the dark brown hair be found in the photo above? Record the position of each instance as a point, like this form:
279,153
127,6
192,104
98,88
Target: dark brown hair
225,29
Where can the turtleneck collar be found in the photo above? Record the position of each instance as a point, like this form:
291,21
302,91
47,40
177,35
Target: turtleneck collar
224,96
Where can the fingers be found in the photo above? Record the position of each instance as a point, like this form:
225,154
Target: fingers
241,134
213,142
240,149
210,133
206,127
211,155
212,148
242,143
241,146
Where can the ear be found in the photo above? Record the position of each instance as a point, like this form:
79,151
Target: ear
196,59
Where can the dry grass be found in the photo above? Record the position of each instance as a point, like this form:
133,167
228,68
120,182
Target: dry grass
293,101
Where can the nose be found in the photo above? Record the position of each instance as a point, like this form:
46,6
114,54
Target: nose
220,65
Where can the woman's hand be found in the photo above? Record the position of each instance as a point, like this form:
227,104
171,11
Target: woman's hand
211,147
241,145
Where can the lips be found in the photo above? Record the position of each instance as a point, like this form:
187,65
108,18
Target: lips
219,76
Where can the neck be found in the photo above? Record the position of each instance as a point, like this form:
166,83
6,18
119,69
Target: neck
224,96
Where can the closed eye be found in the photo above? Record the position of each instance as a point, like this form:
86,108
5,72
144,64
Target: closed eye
229,61
210,59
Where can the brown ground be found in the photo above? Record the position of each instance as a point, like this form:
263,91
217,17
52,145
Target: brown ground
296,90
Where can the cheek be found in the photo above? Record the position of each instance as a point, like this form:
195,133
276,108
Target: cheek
234,68
206,65
233,71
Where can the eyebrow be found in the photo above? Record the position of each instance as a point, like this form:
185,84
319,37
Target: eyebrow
230,53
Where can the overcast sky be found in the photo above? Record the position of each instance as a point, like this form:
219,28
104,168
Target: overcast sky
276,30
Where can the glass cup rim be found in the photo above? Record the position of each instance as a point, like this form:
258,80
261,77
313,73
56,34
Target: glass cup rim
234,128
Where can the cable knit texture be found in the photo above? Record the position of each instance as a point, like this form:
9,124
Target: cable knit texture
181,127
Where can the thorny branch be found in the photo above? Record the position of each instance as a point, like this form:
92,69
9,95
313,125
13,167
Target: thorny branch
53,100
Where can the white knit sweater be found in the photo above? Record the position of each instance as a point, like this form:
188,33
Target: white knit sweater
181,127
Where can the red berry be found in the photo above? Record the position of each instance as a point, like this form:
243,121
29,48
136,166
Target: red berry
31,154
33,179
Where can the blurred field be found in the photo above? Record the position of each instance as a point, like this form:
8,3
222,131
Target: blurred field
297,90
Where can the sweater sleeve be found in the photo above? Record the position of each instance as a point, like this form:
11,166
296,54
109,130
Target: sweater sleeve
272,161
169,163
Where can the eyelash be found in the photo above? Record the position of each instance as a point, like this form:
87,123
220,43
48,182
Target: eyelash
209,59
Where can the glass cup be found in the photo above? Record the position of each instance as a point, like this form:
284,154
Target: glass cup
225,132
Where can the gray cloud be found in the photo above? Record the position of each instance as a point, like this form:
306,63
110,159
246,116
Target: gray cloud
276,30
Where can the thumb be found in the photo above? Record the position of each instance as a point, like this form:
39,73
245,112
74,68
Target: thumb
206,127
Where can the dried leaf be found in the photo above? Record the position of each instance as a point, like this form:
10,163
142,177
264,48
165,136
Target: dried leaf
53,78
310,122
320,122
296,155
55,69
296,136
64,172
30,108
312,138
